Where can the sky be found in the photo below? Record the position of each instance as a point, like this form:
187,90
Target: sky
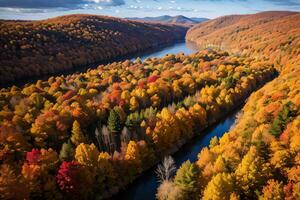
43,9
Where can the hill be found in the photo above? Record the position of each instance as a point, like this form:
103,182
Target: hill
38,48
275,35
259,157
179,19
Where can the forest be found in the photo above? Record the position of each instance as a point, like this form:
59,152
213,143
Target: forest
34,49
272,35
87,135
259,157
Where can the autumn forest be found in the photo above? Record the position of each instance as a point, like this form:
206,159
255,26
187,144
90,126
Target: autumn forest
91,134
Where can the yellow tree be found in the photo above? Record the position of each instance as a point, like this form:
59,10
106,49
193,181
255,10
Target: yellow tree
272,191
133,156
87,154
220,187
199,115
106,175
134,104
133,161
77,134
251,173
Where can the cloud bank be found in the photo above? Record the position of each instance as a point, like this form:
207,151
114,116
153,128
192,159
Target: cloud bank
48,4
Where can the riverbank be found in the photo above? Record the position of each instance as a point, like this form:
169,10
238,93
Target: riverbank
64,43
153,107
176,46
145,187
140,187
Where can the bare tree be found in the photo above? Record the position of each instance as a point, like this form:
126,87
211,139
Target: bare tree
99,139
172,108
166,170
125,136
108,139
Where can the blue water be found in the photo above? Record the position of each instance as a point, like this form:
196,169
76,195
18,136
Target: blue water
180,47
145,186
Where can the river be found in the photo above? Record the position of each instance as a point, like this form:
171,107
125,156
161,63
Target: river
175,48
179,47
146,185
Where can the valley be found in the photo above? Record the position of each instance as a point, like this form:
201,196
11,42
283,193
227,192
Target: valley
33,49
107,112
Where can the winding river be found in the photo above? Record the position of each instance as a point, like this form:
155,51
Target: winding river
175,48
144,188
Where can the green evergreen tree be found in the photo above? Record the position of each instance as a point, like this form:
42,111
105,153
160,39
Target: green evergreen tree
138,60
115,127
114,122
77,134
186,179
282,119
66,152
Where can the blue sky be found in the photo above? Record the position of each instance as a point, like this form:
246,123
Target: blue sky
41,9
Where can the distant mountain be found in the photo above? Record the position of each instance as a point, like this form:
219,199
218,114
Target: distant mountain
199,19
180,19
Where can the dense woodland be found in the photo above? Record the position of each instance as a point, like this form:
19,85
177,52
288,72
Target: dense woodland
271,35
87,135
41,48
260,157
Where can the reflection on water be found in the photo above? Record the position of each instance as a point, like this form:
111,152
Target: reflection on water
181,47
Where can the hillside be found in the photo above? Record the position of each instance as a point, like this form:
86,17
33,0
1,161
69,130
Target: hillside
274,35
179,19
38,48
259,157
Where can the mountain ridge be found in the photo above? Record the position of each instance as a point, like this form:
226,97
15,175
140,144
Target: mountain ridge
45,47
275,34
171,19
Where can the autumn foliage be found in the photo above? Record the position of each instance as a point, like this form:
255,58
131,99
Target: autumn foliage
272,35
259,157
31,49
89,134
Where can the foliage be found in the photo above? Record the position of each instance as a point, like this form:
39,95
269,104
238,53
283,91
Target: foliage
220,187
186,178
283,117
253,35
43,47
136,113
66,152
73,178
12,185
77,134
114,121
258,158
274,190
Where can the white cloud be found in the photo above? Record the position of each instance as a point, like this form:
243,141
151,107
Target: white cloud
54,4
